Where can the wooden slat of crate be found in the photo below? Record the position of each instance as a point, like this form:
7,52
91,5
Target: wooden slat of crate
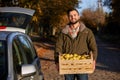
75,66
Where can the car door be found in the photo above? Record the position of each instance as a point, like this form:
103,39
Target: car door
24,54
3,60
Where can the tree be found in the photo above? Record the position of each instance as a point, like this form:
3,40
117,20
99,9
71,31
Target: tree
94,19
115,6
114,17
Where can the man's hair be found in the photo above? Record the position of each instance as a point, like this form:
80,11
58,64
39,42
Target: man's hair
73,9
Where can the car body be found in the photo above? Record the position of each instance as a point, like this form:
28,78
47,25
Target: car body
18,57
16,19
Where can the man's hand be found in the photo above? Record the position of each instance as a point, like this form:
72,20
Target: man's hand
94,64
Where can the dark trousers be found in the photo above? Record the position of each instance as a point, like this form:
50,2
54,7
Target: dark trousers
76,77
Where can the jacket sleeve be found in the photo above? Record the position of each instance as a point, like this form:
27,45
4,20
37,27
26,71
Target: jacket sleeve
58,47
92,44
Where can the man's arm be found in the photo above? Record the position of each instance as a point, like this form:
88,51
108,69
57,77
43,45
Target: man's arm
93,47
92,44
58,47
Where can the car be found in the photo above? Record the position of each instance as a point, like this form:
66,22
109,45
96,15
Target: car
16,18
18,57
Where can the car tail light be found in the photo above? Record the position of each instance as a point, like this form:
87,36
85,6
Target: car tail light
2,27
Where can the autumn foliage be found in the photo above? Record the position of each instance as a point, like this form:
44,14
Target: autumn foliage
93,18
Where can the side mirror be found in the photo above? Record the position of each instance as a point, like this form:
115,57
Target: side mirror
28,70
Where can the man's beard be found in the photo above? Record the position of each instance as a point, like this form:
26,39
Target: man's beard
75,21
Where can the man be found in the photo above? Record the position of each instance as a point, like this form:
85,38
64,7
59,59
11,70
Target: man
75,38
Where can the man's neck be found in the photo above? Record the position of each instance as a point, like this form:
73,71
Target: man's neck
74,26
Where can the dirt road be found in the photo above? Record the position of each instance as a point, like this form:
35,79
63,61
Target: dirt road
107,67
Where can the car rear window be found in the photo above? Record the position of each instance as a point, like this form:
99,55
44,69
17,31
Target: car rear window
14,19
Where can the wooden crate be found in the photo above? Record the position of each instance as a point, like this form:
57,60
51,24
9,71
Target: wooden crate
76,66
